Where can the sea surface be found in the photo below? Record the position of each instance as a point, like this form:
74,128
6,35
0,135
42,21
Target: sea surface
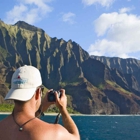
103,127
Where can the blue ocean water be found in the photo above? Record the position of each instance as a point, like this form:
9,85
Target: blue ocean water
103,127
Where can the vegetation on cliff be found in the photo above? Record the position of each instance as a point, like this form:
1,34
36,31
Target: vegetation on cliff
92,86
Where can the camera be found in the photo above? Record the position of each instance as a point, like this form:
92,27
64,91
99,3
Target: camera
51,95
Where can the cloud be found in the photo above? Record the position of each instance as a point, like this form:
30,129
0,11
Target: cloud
29,11
69,17
104,3
118,35
126,9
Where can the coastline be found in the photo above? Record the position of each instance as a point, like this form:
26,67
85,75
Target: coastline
51,114
54,114
8,113
5,113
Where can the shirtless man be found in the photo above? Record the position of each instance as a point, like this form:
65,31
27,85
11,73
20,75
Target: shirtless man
23,124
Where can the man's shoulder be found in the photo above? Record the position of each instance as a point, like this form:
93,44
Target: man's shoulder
4,120
55,131
49,126
4,123
44,125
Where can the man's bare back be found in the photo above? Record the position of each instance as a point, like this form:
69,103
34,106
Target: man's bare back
34,130
23,123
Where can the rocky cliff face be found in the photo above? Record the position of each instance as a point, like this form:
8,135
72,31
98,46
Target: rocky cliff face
93,87
127,69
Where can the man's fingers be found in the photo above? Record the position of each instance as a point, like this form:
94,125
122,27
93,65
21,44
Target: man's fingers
62,92
56,95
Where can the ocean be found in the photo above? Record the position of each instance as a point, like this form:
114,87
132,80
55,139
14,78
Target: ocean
103,127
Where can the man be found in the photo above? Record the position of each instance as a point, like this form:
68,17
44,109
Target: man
22,124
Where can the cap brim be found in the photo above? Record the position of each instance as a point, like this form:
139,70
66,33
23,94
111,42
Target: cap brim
20,94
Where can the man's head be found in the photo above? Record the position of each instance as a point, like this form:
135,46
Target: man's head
24,83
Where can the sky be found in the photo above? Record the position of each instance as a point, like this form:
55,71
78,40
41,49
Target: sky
108,28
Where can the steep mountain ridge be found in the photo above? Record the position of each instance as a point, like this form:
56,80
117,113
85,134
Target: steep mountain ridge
93,87
24,25
129,69
129,65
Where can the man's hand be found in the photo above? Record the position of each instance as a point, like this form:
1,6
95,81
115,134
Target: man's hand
45,103
61,102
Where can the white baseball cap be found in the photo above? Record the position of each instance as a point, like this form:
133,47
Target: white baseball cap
24,83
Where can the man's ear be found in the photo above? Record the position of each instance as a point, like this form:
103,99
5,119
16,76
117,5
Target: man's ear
37,94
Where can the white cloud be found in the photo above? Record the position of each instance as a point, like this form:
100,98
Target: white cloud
68,17
126,9
118,35
30,11
104,3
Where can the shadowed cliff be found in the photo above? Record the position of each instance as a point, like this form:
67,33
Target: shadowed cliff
92,86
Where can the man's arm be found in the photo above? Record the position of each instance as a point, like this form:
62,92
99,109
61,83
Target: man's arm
68,122
44,105
71,132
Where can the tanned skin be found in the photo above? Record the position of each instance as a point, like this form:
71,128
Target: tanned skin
38,129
